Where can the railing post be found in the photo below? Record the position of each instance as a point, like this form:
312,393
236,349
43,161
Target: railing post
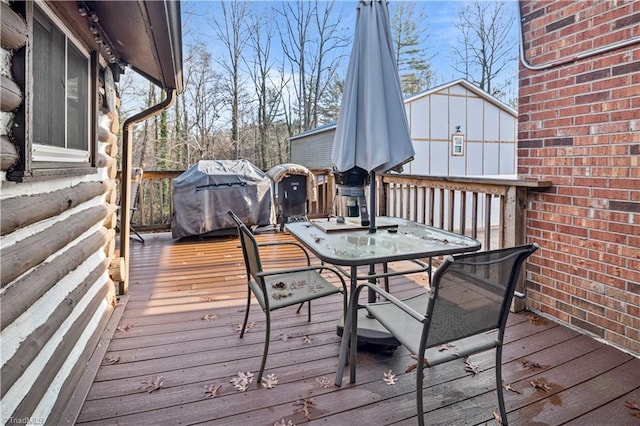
515,232
383,198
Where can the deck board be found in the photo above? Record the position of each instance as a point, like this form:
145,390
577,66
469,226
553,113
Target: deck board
175,284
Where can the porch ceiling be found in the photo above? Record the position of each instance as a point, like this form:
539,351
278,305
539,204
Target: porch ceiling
146,34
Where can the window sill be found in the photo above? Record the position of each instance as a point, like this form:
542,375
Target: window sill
44,174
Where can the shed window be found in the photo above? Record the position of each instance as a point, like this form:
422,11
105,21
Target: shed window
457,144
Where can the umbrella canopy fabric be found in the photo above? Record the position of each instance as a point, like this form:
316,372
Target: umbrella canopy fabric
372,130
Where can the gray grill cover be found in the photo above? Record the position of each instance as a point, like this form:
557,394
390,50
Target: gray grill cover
203,194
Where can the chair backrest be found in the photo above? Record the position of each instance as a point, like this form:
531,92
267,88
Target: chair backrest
249,249
472,293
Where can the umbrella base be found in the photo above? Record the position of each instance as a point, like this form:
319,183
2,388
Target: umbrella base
370,331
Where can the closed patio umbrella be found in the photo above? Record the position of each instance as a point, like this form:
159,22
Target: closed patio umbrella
372,131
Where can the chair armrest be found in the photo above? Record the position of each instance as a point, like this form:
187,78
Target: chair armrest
392,299
291,243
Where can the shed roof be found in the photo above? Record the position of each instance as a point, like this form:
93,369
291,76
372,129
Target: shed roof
462,82
470,87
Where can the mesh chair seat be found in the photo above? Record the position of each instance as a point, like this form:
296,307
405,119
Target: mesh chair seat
292,288
453,321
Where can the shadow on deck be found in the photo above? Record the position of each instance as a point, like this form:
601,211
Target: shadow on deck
179,323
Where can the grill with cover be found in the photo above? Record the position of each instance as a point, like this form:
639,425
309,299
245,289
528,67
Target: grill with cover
203,194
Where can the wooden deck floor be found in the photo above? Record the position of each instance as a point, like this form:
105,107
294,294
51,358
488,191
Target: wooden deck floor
186,299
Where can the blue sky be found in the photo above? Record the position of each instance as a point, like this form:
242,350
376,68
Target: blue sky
439,25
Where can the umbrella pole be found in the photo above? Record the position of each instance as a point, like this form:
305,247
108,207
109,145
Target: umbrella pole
372,203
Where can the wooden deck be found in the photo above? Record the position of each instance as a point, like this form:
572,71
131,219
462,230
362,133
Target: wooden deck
186,299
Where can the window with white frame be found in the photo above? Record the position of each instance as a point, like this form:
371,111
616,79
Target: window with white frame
457,144
61,75
55,127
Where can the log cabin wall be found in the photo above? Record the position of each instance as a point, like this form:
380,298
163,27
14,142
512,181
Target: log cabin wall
57,248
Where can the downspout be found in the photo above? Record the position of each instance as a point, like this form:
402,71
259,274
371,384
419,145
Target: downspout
564,61
125,178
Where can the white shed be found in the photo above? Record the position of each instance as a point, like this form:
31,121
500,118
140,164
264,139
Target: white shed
457,129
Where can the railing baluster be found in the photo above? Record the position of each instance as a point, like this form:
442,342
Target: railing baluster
501,226
442,203
415,191
452,203
487,221
474,215
432,202
463,212
423,190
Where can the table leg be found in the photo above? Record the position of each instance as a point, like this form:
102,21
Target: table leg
369,329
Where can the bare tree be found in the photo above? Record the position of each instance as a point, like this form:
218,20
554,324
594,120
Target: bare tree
314,46
268,94
202,102
485,47
148,132
409,40
234,36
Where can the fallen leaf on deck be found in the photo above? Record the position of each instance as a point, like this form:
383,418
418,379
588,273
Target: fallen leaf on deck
632,404
284,337
211,391
530,364
284,422
323,382
539,384
270,381
413,366
508,387
124,327
634,414
151,384
497,417
390,378
305,407
110,360
206,298
307,339
448,347
469,367
535,320
242,380
238,327
210,317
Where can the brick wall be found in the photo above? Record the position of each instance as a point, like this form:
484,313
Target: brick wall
579,126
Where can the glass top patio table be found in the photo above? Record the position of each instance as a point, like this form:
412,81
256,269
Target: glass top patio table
401,239
395,240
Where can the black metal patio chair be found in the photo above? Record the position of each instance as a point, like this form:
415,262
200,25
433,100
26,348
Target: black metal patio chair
283,287
465,312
